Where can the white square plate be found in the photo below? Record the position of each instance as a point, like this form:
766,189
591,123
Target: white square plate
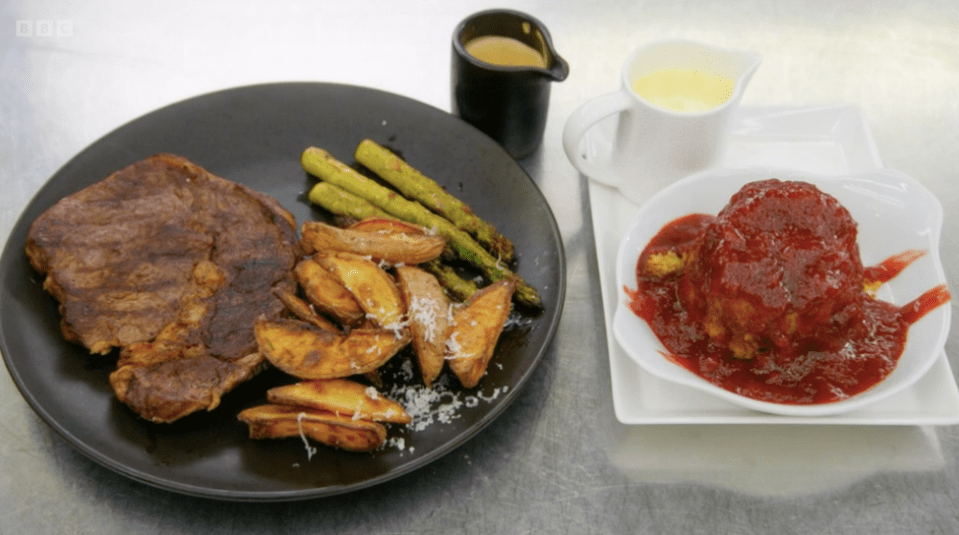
830,140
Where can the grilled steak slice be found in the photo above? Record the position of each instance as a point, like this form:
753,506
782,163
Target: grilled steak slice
172,265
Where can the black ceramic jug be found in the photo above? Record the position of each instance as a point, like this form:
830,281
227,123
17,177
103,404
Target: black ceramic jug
508,103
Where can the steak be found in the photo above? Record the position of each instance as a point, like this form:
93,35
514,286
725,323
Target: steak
172,265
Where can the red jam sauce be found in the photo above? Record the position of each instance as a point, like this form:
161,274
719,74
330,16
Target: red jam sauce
772,303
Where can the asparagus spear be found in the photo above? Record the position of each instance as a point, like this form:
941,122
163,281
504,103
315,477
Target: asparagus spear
343,203
456,287
417,186
324,166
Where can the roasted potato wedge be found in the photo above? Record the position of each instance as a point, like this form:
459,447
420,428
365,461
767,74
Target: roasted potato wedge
428,312
280,421
389,226
476,328
374,289
308,352
342,397
390,247
327,294
302,310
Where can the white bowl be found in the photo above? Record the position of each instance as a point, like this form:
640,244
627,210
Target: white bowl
894,213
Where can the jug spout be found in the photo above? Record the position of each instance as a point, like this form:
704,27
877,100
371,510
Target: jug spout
558,68
739,65
503,66
749,61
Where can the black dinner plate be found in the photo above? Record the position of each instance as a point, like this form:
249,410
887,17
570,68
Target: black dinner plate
254,135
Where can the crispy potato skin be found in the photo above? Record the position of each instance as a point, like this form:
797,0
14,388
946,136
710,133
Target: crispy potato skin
302,310
374,289
428,309
389,226
327,294
279,421
476,329
308,352
390,247
340,396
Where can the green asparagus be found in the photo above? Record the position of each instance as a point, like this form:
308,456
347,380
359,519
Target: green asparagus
417,186
324,166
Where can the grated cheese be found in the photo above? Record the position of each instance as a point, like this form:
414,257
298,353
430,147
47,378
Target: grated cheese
453,347
422,310
397,328
440,404
427,406
310,450
515,320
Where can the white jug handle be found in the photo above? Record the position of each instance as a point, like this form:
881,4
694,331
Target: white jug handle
580,121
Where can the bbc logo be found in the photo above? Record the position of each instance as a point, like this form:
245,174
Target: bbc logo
44,28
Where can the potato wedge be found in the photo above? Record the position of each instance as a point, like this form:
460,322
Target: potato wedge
307,352
428,312
390,247
453,284
476,328
388,225
327,294
342,397
279,421
374,289
302,310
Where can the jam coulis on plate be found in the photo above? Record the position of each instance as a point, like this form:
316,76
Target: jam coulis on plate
769,299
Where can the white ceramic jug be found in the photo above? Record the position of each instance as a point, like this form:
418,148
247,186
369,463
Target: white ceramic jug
654,146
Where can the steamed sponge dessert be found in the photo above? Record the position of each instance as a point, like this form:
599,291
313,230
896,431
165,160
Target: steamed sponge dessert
777,269
769,299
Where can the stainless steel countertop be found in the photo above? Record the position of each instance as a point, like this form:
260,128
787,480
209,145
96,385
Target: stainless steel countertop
556,461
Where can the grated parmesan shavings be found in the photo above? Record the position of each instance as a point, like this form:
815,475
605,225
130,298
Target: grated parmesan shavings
423,311
310,450
453,347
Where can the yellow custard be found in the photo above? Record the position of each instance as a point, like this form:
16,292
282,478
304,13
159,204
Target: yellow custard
684,90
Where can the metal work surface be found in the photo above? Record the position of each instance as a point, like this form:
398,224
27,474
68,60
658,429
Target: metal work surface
557,460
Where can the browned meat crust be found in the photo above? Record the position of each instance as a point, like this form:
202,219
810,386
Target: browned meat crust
171,264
